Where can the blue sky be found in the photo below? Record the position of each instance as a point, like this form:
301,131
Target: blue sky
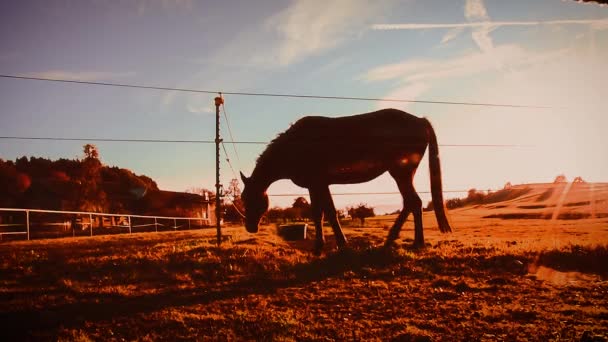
545,52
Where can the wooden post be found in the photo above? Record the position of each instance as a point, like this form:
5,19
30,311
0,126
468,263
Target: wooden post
189,224
129,224
91,222
155,225
174,224
27,223
218,102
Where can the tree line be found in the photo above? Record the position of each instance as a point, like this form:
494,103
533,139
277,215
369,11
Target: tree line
72,184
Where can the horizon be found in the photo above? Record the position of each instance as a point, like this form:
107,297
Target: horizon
544,53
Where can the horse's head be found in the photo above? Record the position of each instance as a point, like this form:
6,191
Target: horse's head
256,203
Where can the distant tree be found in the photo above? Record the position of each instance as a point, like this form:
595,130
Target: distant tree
578,180
301,208
23,182
276,214
91,151
233,210
507,186
361,212
206,193
234,190
560,179
8,183
22,164
291,214
474,196
150,183
91,196
453,203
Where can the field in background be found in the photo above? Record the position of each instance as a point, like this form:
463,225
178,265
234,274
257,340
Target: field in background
508,277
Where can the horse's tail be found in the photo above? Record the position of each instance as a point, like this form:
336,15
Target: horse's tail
436,187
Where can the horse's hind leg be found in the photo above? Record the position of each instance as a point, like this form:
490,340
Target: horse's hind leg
411,204
393,234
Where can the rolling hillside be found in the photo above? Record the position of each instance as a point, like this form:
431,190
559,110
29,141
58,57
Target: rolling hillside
546,201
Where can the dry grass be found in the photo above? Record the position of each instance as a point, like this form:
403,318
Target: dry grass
489,280
492,279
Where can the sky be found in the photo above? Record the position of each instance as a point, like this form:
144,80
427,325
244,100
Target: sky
545,53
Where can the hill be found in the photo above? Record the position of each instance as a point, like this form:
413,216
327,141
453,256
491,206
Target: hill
545,201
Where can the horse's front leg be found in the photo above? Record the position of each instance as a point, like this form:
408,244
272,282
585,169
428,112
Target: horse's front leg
330,212
317,217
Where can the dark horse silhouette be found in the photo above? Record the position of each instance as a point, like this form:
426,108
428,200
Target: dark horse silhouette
318,151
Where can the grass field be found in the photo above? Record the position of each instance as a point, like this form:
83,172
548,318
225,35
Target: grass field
500,278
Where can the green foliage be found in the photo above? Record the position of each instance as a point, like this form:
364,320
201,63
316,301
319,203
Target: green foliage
68,184
301,209
90,151
361,212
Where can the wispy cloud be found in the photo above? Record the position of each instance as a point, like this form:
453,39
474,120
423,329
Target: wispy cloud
503,57
88,76
194,109
594,23
408,91
475,10
303,29
451,34
481,25
309,27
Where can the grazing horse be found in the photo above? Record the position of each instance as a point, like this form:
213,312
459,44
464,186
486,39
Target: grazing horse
318,151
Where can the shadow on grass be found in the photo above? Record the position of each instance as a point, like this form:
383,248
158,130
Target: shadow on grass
233,272
252,277
577,259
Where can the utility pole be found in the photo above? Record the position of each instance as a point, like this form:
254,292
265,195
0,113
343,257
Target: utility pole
218,102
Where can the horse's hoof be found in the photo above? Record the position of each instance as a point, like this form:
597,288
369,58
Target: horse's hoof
389,244
419,245
344,249
318,249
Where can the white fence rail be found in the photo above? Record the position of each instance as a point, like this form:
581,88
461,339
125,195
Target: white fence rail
79,218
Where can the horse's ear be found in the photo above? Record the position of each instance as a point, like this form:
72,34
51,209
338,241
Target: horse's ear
244,179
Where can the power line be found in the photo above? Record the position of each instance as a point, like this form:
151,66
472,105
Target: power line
300,96
522,186
230,142
234,173
362,193
228,159
238,160
109,140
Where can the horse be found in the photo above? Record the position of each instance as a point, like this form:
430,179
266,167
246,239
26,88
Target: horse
317,151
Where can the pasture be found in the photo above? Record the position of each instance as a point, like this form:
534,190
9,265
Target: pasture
497,278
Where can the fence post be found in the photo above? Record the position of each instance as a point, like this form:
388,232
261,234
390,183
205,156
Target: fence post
189,224
27,223
91,222
129,224
155,225
174,224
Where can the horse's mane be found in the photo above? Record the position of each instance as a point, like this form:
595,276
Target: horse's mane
277,145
